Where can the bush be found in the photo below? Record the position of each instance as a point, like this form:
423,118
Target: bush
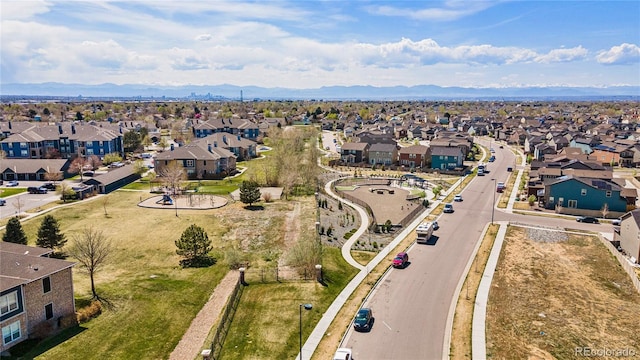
87,313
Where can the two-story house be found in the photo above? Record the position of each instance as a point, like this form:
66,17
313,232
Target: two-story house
243,127
629,234
242,148
36,294
200,160
354,153
414,156
579,195
446,157
383,154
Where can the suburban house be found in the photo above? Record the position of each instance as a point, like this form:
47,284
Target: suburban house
414,156
354,153
243,127
587,196
64,140
199,159
113,179
383,154
36,294
33,169
629,234
446,157
243,149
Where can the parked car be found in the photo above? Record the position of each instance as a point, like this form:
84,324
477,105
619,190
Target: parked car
13,183
492,158
587,219
448,208
501,147
363,320
509,169
3,202
480,172
401,260
37,190
343,354
616,222
492,150
49,186
457,198
500,187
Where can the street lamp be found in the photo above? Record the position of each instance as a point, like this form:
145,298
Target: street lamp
306,307
493,204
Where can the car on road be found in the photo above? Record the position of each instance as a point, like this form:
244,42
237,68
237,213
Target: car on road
492,158
587,219
616,222
448,208
363,320
435,225
509,169
3,202
13,183
500,187
492,150
326,148
480,172
501,147
457,198
401,260
37,190
343,354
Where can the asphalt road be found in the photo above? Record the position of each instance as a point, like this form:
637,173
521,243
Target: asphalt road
411,305
25,201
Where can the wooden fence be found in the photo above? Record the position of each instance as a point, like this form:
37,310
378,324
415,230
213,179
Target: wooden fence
225,321
623,261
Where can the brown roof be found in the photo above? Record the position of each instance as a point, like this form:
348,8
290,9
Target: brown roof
21,264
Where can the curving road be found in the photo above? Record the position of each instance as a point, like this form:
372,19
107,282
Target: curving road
411,306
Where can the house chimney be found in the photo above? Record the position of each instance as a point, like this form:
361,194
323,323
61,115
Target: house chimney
224,139
209,147
171,147
60,129
9,125
215,144
73,129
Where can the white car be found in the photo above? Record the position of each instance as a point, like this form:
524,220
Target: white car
616,222
457,198
343,354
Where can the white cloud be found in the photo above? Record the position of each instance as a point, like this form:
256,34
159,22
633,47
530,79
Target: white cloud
204,37
620,55
563,55
20,10
450,11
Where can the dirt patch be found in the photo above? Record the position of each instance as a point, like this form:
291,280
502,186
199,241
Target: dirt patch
549,299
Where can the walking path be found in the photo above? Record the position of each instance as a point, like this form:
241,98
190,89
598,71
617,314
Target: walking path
193,340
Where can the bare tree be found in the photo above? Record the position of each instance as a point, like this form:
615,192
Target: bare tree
53,176
77,166
66,191
172,175
605,210
18,203
93,161
92,250
105,202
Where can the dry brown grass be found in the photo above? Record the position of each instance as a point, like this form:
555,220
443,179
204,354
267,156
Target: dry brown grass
548,298
461,332
363,257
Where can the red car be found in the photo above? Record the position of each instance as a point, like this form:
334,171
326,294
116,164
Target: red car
400,261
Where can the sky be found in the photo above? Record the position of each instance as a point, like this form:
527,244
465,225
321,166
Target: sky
313,43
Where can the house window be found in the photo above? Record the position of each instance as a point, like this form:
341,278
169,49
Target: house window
46,284
24,152
8,302
551,199
11,332
11,153
608,193
48,311
561,201
23,145
583,192
189,163
572,204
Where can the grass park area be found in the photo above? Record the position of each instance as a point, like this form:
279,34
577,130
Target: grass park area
149,299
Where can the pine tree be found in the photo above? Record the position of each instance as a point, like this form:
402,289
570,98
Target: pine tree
249,192
13,232
49,235
194,246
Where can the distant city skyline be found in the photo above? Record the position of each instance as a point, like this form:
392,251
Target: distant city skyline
310,44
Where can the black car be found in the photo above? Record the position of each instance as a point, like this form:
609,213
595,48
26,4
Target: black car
587,219
36,190
364,320
49,186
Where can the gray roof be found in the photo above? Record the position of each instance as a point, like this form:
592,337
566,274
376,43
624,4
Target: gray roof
31,166
112,175
21,264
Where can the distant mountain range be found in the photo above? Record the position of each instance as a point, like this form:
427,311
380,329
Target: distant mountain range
249,93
